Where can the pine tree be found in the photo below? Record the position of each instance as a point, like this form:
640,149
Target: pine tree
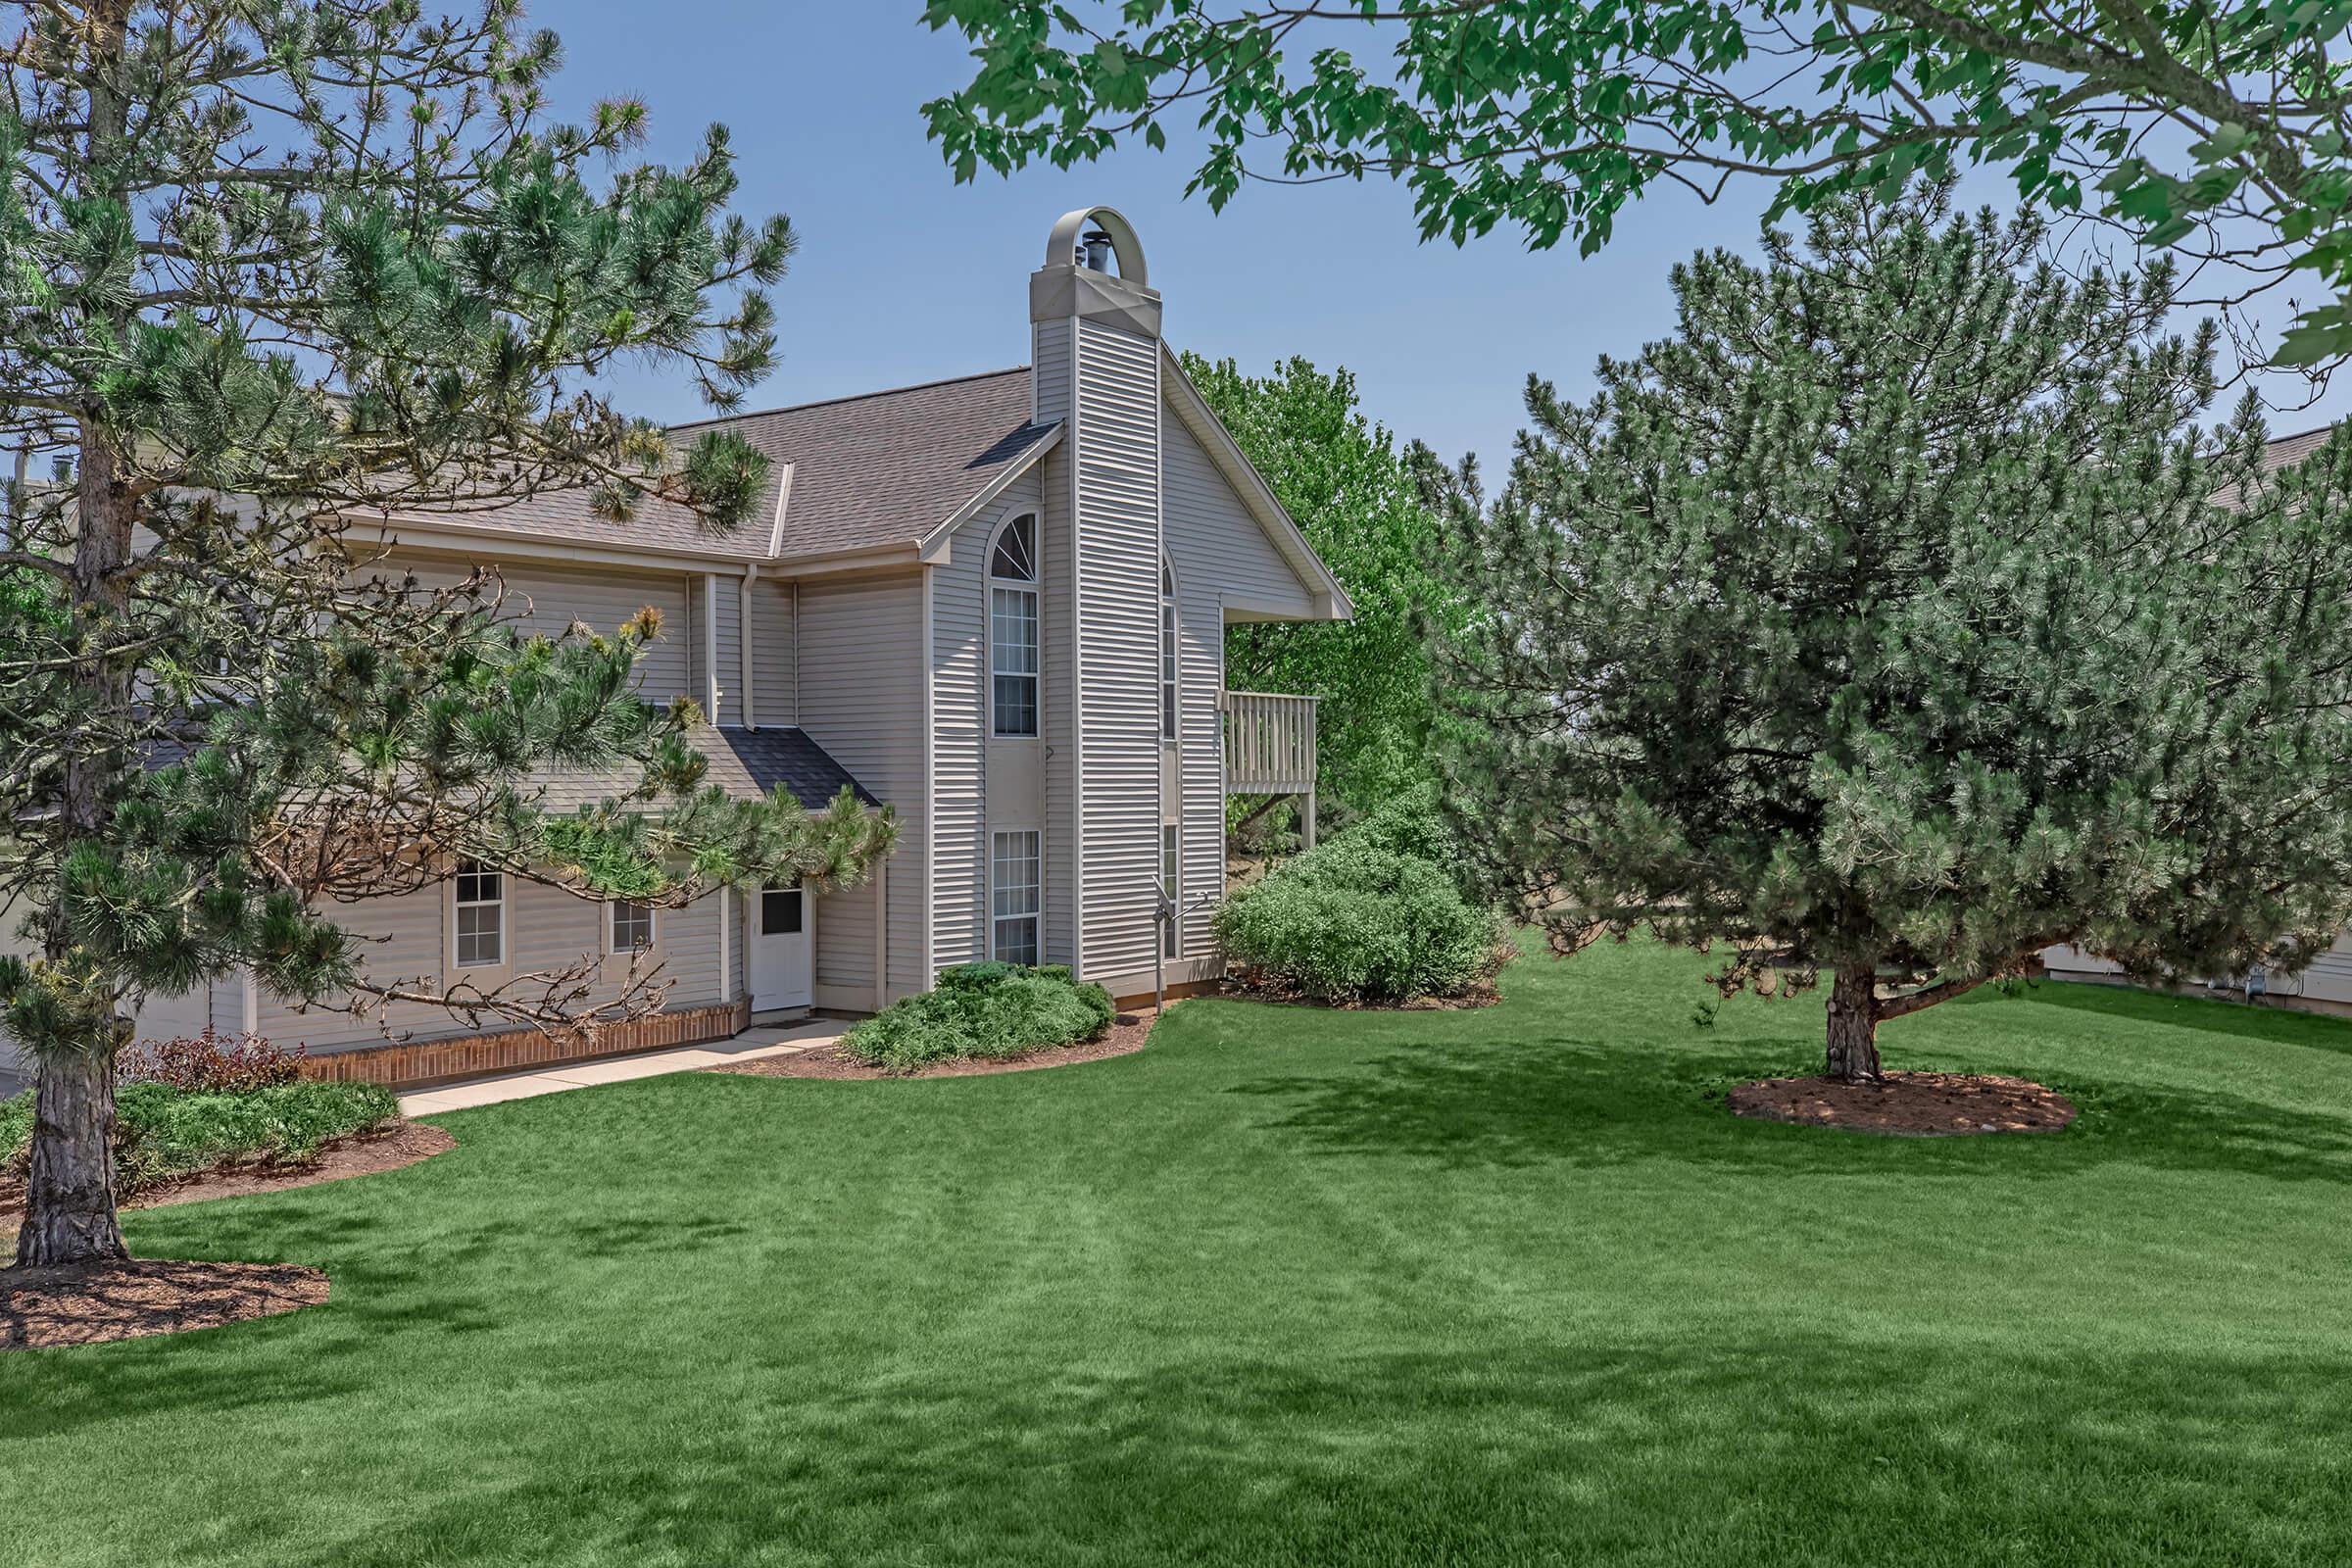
1893,619
267,265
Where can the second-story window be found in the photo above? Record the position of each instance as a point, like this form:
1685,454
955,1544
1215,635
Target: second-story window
1012,628
1168,652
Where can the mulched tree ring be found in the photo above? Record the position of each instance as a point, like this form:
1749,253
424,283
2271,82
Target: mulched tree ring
1909,1105
89,1304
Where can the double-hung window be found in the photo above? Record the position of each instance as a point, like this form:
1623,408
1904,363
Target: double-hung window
1015,894
481,906
632,926
1168,652
1172,839
1012,629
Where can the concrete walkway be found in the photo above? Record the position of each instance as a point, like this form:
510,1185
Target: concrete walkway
760,1040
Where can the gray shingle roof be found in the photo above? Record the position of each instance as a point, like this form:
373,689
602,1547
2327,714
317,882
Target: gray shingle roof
868,471
745,763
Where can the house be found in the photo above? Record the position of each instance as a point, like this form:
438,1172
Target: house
996,603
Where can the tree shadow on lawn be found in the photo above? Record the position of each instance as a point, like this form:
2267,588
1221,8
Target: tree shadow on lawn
1557,1099
1673,1450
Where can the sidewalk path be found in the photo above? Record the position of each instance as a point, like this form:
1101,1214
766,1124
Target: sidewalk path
760,1040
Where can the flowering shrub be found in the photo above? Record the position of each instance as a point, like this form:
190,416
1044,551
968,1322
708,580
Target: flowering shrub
211,1063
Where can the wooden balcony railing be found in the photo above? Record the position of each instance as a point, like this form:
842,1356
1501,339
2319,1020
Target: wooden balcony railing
1269,744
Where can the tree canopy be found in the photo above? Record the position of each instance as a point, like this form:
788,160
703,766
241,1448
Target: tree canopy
2221,129
1356,499
270,268
1894,618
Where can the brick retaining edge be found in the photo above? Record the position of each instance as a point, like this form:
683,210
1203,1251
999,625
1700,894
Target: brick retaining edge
411,1064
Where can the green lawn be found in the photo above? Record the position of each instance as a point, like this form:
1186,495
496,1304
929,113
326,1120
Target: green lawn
1287,1286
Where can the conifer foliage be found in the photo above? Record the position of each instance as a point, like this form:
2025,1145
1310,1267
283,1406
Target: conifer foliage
1893,619
266,267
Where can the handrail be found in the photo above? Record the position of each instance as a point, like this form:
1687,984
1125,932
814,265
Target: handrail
1269,743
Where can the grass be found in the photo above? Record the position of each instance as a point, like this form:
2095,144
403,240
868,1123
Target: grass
1287,1286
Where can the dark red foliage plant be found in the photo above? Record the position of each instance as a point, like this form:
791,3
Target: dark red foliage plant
211,1063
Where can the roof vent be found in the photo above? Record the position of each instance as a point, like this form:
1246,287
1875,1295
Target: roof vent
1094,251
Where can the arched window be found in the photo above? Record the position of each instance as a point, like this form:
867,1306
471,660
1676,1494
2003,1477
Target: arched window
1167,651
1012,628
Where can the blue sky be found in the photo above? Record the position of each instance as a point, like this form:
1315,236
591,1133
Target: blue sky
905,276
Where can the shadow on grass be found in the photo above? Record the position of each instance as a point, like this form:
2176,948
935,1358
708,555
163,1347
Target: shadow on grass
2205,1014
1801,1449
1579,1104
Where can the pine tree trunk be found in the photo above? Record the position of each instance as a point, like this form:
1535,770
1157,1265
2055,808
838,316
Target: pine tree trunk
1854,1025
70,1195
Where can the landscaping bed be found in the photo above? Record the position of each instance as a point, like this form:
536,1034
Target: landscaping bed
987,1013
1915,1105
1125,1036
89,1304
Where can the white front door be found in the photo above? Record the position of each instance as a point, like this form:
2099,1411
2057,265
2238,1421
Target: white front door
783,950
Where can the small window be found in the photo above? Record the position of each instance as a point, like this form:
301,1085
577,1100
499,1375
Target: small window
1015,898
632,926
1013,641
780,912
1171,841
482,906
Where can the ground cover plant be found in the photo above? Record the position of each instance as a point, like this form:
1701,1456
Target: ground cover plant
1290,1287
991,1012
162,1132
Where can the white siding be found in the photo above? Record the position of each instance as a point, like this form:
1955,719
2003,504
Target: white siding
772,652
1058,633
601,598
862,698
1117,454
1207,524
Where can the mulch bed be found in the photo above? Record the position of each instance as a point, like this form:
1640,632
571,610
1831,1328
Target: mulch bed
1126,1035
87,1304
359,1154
1913,1105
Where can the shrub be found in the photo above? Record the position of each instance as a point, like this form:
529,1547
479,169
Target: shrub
162,1132
211,1063
989,1011
1410,824
1357,922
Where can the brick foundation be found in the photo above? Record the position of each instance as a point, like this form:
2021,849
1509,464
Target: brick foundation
417,1063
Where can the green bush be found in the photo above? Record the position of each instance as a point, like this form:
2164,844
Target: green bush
989,1011
162,1132
1358,921
1410,823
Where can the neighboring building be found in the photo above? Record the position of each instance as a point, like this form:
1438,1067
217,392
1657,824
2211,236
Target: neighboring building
996,603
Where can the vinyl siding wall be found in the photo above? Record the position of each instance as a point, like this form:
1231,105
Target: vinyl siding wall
720,600
961,801
1234,562
862,700
1052,374
551,598
1118,462
772,652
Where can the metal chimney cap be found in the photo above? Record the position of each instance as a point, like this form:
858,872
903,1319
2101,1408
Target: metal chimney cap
1061,245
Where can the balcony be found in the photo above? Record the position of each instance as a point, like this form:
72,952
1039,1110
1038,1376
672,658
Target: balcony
1269,744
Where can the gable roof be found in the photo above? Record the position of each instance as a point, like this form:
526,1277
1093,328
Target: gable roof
888,470
845,474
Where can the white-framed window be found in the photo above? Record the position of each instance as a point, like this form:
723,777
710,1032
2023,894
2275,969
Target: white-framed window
1171,881
1013,660
780,911
628,926
1167,651
1014,890
481,915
